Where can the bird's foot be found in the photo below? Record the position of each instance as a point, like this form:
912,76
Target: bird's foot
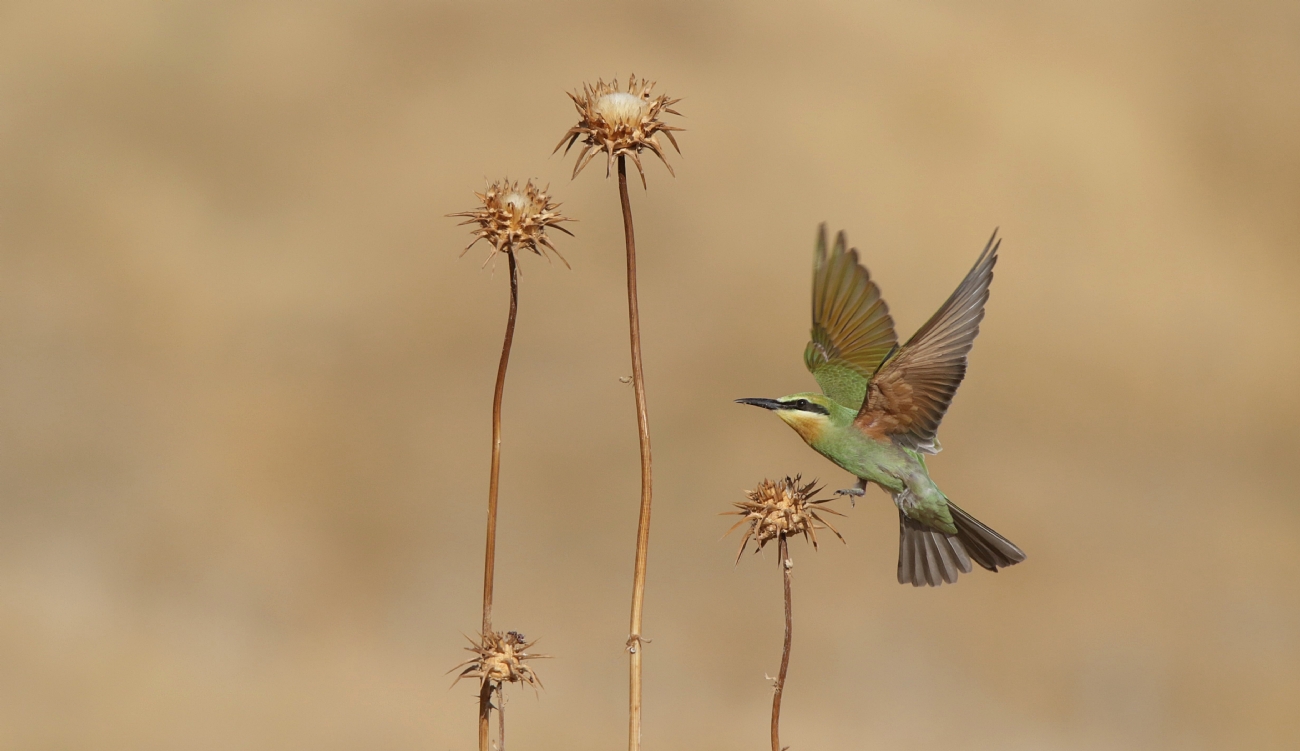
854,493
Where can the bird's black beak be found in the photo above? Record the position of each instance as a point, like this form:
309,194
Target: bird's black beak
764,403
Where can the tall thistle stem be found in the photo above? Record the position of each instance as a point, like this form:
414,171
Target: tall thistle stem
489,556
643,431
621,124
510,218
779,687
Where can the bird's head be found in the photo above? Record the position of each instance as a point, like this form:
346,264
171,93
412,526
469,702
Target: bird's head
808,413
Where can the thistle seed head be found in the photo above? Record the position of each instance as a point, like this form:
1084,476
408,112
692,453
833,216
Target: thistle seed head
500,658
782,508
513,218
616,123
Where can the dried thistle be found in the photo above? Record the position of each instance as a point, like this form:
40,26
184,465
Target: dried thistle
783,508
777,511
510,219
620,123
500,658
513,218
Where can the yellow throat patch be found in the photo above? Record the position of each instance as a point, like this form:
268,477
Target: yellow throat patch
808,425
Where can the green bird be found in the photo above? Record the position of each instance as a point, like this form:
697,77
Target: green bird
882,405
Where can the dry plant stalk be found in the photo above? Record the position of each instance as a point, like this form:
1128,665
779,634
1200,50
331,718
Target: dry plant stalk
778,511
509,218
620,124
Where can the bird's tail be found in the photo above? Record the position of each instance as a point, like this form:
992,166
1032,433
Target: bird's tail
929,557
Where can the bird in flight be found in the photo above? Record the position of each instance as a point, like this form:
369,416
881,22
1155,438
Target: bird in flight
881,406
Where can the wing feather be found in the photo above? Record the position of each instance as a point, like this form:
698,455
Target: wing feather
907,398
852,331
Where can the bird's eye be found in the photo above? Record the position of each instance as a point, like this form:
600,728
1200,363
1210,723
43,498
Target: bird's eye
801,404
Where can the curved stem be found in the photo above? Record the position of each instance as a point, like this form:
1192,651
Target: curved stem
643,431
489,556
778,689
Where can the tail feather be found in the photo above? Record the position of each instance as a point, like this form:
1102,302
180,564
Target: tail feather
929,557
986,547
934,563
905,544
953,558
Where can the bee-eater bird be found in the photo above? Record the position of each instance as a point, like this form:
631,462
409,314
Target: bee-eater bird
882,405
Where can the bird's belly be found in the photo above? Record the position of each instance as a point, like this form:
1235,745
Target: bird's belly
885,464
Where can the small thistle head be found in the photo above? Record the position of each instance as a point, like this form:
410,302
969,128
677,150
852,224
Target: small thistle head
616,123
782,508
500,658
515,218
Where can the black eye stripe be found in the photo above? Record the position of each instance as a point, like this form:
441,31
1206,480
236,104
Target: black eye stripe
803,405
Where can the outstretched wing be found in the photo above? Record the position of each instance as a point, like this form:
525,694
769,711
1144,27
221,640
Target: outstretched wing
908,397
852,331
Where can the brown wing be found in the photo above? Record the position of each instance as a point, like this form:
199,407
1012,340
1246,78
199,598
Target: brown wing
909,395
852,331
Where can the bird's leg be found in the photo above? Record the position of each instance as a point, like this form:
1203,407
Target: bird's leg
855,492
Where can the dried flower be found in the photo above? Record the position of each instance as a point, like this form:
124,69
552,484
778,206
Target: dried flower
514,218
782,509
620,122
499,658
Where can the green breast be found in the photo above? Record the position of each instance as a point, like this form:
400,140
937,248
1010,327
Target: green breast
880,462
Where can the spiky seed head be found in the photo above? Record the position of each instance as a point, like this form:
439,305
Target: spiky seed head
782,508
515,218
616,122
500,658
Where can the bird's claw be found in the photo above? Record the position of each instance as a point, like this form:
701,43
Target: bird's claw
853,493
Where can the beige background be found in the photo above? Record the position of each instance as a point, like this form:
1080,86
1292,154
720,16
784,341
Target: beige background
245,381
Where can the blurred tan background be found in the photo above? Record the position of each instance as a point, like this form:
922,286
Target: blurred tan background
245,381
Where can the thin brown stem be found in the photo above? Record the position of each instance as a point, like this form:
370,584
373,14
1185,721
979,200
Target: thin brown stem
778,689
489,556
501,717
643,431
484,711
